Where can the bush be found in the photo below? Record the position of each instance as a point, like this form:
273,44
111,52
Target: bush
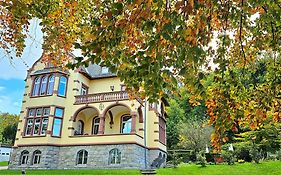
278,155
229,157
201,159
255,154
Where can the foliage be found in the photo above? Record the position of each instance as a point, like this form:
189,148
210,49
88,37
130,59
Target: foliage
194,135
8,127
152,45
255,153
201,158
229,157
181,111
279,155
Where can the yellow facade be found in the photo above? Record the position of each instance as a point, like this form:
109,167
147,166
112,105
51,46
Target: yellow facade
111,110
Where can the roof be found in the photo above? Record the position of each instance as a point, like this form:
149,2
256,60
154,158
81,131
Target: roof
5,146
94,71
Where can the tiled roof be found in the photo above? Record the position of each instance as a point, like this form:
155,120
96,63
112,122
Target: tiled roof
94,71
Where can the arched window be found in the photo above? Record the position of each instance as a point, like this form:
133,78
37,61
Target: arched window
62,86
24,157
43,85
114,156
96,123
126,125
80,127
36,157
51,83
36,86
82,157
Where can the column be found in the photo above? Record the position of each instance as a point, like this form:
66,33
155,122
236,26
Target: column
134,116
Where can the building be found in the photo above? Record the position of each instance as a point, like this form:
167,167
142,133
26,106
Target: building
84,119
5,152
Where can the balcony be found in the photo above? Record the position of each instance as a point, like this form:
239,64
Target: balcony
101,97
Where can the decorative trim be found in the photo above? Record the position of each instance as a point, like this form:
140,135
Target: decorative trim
17,139
89,144
48,132
156,140
70,128
75,89
141,129
156,131
100,135
156,123
76,81
24,94
18,129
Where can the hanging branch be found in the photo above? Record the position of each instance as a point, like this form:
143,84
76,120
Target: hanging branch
240,34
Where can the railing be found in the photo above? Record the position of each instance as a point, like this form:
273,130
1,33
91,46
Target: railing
101,97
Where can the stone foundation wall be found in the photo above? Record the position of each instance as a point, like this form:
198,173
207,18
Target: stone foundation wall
132,157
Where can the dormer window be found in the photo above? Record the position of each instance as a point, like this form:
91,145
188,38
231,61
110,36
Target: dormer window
104,70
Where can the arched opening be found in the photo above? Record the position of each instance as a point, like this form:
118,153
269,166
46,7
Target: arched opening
36,157
114,156
83,120
117,119
82,157
24,157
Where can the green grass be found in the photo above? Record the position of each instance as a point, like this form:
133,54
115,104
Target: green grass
265,168
3,163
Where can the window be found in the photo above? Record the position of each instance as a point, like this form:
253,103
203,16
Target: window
43,85
43,88
36,157
24,157
82,157
84,90
126,125
80,128
37,121
7,154
104,70
57,124
62,86
36,86
114,156
96,123
51,85
123,87
162,130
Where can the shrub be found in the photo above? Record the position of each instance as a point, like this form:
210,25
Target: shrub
279,155
201,159
229,157
255,154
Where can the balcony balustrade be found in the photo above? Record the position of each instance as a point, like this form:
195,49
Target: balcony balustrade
101,97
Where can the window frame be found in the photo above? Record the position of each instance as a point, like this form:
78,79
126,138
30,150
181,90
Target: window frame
66,84
86,88
46,91
95,124
84,158
121,127
60,118
117,156
25,154
38,154
35,117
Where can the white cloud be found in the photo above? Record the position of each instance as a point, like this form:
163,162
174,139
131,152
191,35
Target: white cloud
7,104
17,67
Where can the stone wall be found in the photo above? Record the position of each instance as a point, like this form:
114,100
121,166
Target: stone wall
132,157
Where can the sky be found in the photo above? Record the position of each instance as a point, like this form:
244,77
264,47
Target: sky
13,72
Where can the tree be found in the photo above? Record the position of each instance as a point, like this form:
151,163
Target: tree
8,127
9,134
152,45
195,135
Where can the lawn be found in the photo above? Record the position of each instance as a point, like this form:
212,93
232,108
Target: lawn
265,168
3,163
